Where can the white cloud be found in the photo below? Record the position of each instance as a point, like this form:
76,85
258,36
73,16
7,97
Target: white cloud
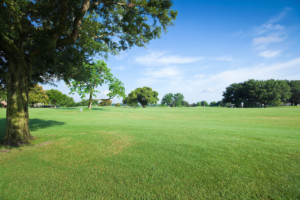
164,72
162,59
210,87
265,40
121,68
271,24
269,54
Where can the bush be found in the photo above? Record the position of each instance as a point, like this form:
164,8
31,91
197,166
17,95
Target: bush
105,102
117,104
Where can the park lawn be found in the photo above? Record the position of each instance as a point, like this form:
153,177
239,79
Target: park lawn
155,153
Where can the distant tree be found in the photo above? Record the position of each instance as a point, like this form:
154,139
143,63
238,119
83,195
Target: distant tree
295,92
144,96
274,91
96,74
167,99
177,100
67,101
213,104
55,96
253,92
105,102
37,95
204,103
185,103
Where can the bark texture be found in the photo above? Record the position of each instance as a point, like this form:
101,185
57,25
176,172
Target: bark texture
17,117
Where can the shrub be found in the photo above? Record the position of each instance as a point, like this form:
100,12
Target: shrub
117,104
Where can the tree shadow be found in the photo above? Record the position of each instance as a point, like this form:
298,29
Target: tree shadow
98,108
34,124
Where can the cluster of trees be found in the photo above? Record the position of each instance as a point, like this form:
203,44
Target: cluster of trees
53,97
42,41
174,100
143,96
253,93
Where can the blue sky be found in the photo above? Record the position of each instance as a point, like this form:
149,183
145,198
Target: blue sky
214,43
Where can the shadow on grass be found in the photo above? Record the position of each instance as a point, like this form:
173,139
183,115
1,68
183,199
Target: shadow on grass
98,108
34,124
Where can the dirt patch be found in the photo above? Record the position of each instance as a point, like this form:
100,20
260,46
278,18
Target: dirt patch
5,151
44,143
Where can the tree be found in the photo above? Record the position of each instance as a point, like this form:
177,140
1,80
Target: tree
55,97
144,96
167,99
43,40
37,95
96,74
177,100
105,102
295,92
204,103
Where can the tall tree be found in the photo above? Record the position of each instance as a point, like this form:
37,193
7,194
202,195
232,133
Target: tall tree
41,40
96,74
144,96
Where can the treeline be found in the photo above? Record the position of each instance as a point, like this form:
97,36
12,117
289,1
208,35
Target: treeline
257,93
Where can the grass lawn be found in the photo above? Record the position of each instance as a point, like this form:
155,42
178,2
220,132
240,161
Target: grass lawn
155,153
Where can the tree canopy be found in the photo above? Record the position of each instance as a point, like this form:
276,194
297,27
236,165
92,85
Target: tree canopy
37,95
255,92
144,96
45,40
96,74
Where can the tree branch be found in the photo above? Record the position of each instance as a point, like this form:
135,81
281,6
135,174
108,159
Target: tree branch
76,26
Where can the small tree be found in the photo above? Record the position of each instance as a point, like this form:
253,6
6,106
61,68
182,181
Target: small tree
94,75
204,103
37,95
144,96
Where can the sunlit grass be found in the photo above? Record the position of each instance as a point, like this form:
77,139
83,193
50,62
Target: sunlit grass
156,153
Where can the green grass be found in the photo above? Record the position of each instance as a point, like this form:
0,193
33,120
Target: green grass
155,153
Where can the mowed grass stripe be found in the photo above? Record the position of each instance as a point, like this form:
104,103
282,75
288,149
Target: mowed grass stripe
156,153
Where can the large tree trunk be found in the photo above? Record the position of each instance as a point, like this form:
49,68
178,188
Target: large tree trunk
17,118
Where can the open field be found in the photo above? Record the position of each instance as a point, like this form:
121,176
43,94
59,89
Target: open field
155,153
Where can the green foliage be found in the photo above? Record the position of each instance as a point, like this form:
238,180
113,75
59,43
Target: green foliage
57,98
37,95
105,102
96,74
3,95
57,36
118,105
177,100
254,92
295,90
167,99
204,103
144,96
174,100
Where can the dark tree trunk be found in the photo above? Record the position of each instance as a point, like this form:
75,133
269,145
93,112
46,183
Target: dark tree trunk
17,118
